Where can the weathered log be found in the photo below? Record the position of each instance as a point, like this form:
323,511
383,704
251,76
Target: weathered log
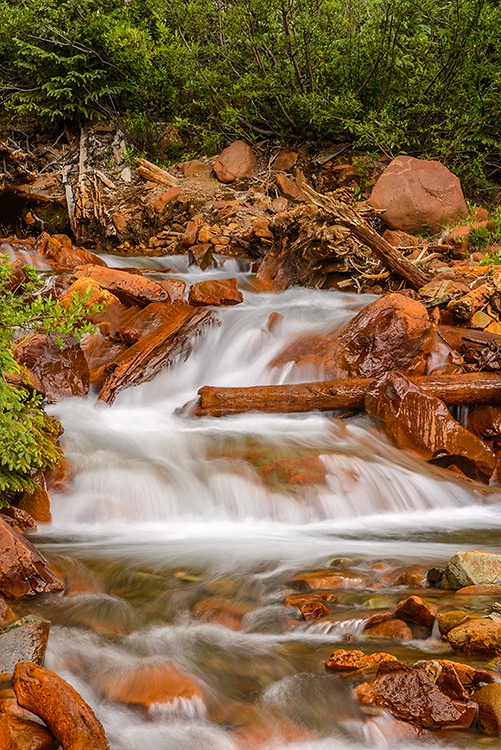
151,172
63,710
346,215
328,395
155,350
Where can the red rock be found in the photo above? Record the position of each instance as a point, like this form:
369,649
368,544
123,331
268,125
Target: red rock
23,734
343,660
176,288
451,619
485,421
297,600
195,168
189,237
147,320
481,589
418,195
412,696
131,288
202,255
100,354
400,239
23,570
61,254
280,205
289,189
329,578
480,637
220,292
6,613
62,370
166,197
37,503
460,236
149,686
89,288
416,421
225,612
235,161
394,630
284,160
69,718
489,709
415,609
314,610
392,333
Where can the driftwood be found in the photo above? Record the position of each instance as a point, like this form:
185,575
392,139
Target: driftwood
141,361
64,711
151,172
328,395
346,215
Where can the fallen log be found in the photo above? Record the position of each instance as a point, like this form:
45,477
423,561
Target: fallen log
345,214
64,711
149,171
155,350
329,395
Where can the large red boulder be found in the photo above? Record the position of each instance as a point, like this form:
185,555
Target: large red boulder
217,292
392,333
236,160
131,288
418,195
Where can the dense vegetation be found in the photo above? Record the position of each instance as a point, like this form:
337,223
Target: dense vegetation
28,438
398,75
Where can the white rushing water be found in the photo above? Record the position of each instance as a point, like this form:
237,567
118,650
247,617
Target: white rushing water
155,490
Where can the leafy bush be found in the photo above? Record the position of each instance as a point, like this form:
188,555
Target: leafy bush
27,436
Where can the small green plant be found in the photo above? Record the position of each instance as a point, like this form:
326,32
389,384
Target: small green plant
479,238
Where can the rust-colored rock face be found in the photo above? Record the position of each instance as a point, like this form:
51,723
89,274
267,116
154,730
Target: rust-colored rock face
23,570
23,734
489,709
289,189
62,371
392,333
219,293
472,567
149,687
147,320
61,708
347,660
415,609
89,288
418,195
485,421
421,423
61,254
235,161
37,502
392,630
481,637
411,695
131,288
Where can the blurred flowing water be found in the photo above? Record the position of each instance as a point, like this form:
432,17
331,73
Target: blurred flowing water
166,511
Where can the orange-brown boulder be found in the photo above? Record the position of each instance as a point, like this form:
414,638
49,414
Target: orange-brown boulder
392,333
24,639
61,254
6,613
314,610
485,421
219,293
346,660
415,609
329,578
23,570
489,709
421,423
412,696
147,320
130,288
451,619
37,502
62,370
418,195
23,734
392,630
481,637
61,708
93,293
289,189
100,353
176,288
297,600
284,160
149,687
235,161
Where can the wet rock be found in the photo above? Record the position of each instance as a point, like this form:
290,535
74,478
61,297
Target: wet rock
297,600
392,333
412,696
418,195
19,519
225,612
344,660
150,687
61,708
471,568
332,579
146,321
393,630
485,589
61,253
222,292
235,161
89,288
413,576
313,610
451,619
489,709
176,288
415,609
62,370
421,423
202,255
37,502
23,570
130,288
445,676
111,321
100,353
480,637
485,421
23,734
23,640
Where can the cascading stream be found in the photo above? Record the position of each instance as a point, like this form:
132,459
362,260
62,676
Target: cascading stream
164,508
